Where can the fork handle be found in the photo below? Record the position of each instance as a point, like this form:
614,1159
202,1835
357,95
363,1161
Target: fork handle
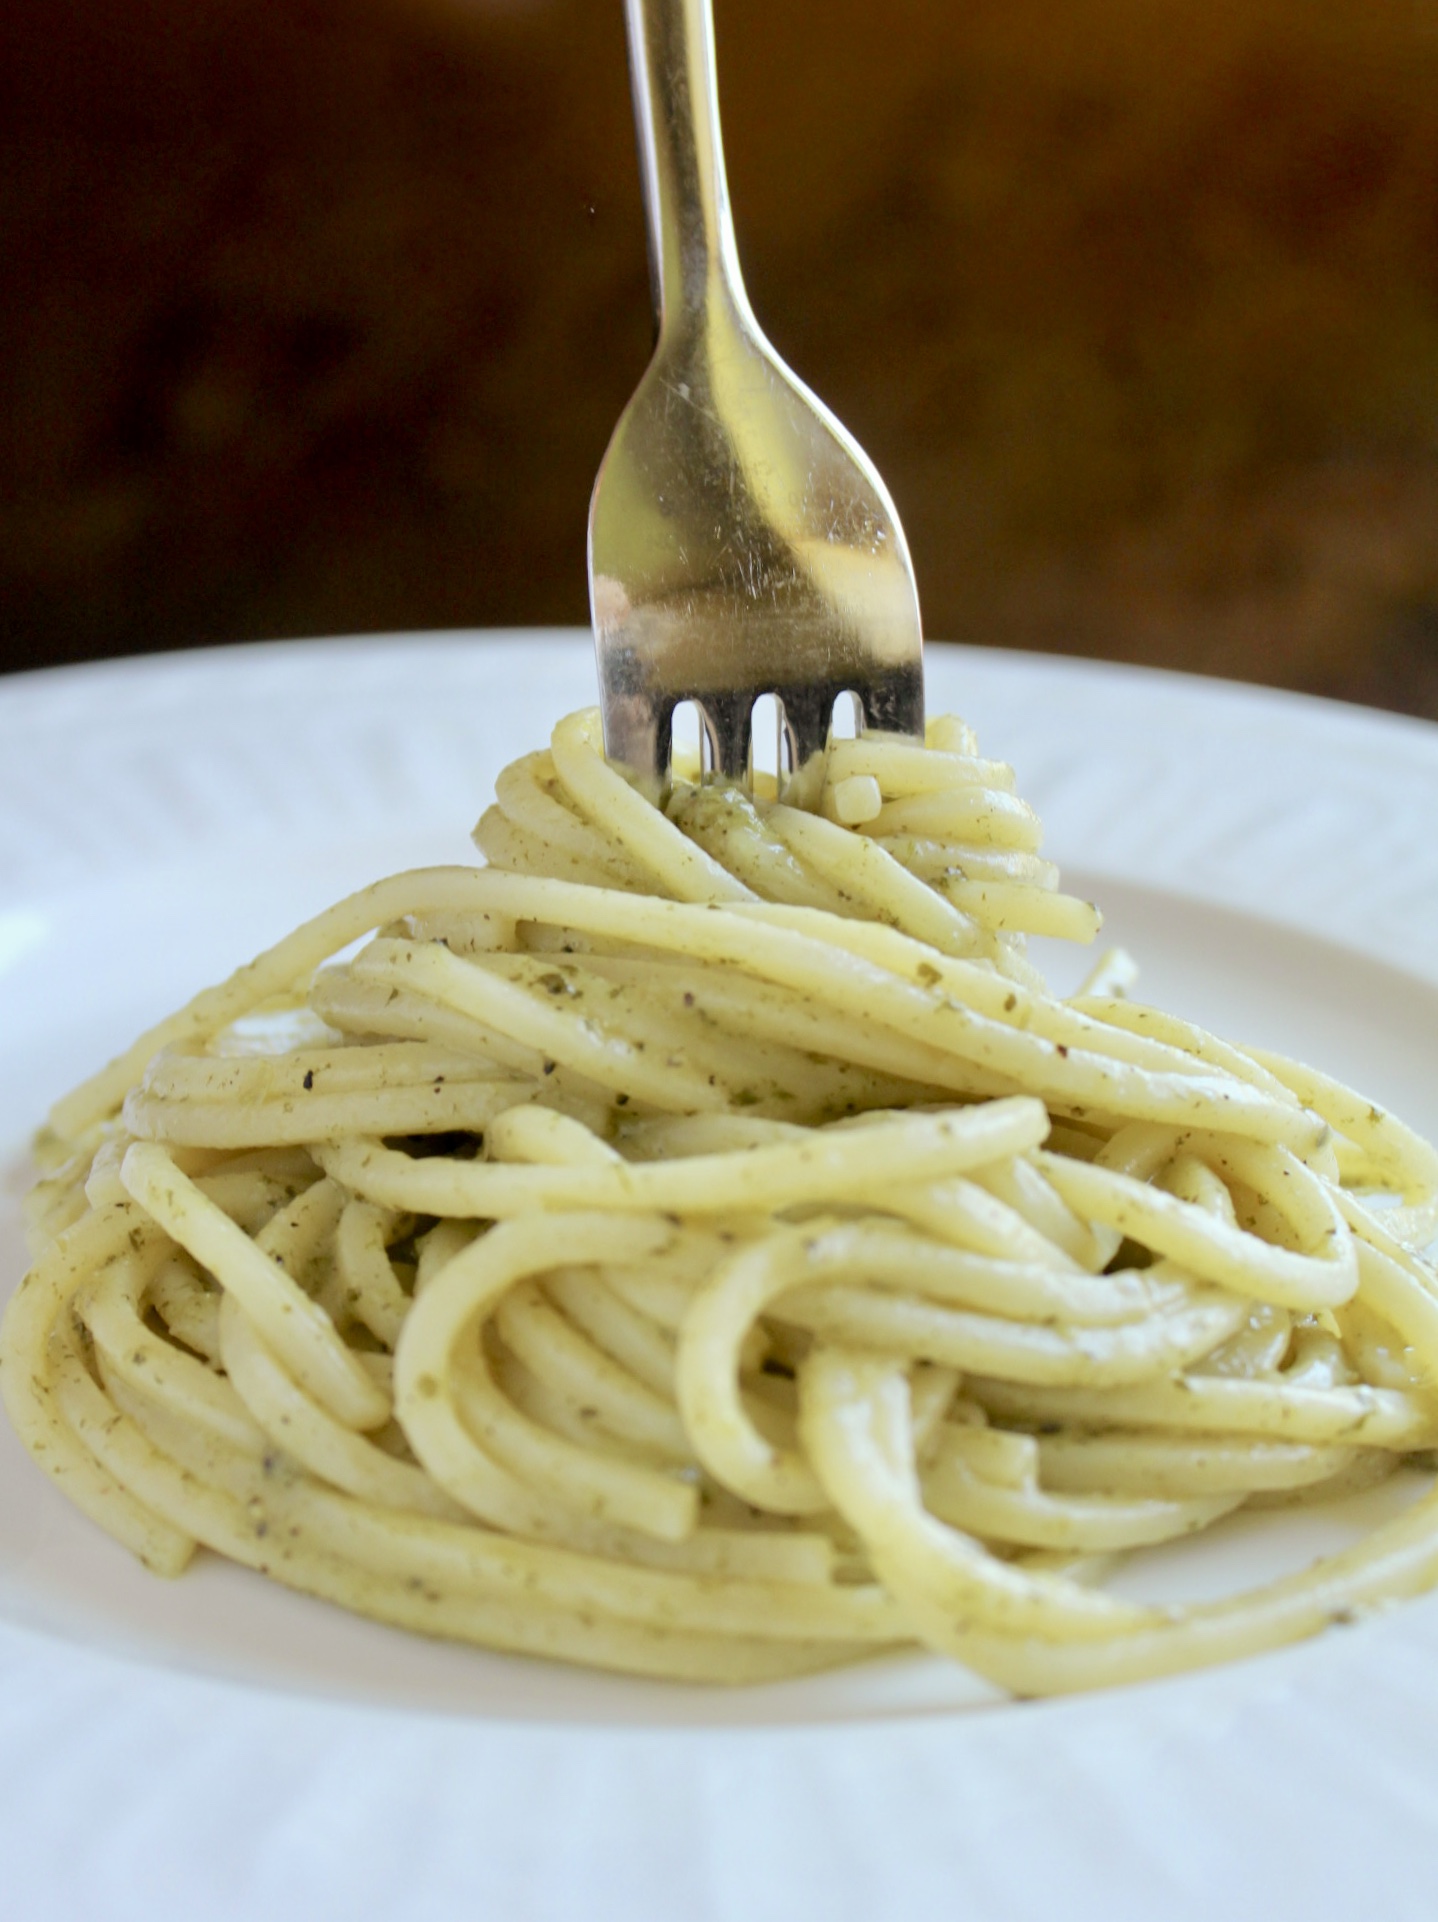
692,251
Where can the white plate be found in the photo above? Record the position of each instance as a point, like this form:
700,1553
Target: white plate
220,1747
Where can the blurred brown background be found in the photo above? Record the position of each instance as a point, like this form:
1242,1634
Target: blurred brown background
315,315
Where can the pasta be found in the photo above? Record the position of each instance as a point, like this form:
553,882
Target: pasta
696,1243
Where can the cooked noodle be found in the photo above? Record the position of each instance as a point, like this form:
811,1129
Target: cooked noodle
697,1244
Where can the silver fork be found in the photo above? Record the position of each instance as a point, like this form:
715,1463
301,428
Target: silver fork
740,541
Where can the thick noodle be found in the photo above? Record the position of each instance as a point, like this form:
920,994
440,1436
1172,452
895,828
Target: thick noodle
696,1243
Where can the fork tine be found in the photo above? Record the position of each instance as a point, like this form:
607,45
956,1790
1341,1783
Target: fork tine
893,703
806,719
728,719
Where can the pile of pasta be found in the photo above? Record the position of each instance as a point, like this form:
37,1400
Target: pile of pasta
696,1243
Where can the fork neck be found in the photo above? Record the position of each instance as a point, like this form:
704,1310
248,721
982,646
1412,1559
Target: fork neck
692,251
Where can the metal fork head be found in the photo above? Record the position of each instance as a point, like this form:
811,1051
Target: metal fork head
740,541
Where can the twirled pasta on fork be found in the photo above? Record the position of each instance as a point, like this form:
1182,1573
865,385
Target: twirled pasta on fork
696,1243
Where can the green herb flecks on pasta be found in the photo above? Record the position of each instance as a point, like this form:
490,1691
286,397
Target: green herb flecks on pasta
696,1243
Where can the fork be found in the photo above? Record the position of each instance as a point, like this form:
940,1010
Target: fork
741,543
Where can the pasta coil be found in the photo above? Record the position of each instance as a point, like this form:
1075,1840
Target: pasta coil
697,1243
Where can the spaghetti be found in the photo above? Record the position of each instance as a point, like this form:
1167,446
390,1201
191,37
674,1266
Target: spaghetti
696,1243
